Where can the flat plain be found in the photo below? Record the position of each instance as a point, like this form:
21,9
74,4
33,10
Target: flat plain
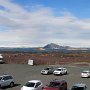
23,73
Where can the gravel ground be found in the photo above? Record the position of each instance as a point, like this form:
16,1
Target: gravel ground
23,73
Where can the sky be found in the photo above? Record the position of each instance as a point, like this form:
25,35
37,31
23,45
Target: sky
36,23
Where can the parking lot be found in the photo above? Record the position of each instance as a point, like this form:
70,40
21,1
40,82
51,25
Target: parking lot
23,73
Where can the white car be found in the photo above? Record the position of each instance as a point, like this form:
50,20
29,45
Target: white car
60,71
33,85
1,59
85,73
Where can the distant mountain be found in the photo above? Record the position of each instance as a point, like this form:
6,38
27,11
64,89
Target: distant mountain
54,46
47,48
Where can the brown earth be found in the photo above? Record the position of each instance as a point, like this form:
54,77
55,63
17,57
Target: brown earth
47,58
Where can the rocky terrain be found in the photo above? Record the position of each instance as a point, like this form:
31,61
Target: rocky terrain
46,58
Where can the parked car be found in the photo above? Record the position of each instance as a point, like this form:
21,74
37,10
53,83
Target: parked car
33,85
85,73
79,86
56,85
2,62
1,59
6,80
60,71
48,70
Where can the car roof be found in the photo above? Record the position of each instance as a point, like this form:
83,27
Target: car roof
79,85
61,68
5,75
86,71
34,81
48,67
58,81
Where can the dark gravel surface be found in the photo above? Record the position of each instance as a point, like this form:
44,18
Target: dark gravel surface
23,73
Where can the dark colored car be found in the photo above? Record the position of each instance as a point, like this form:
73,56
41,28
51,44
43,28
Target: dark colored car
56,85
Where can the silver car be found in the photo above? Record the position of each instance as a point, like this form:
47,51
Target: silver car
6,80
79,86
48,70
85,73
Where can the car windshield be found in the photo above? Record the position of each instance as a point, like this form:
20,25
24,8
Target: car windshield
58,69
54,84
46,68
30,84
86,72
77,88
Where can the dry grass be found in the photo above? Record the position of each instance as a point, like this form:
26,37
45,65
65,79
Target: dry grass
82,58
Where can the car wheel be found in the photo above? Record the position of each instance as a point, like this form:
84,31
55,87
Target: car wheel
66,73
60,74
11,84
0,86
65,88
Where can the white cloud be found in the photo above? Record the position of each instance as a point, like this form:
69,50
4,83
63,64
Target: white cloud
41,26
